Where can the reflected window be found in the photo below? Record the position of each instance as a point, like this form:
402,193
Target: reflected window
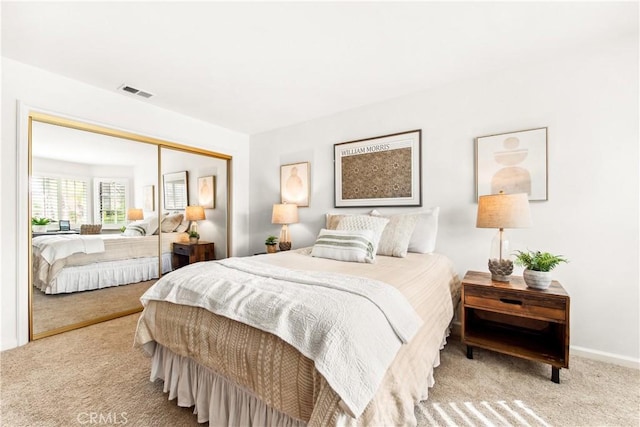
60,198
111,204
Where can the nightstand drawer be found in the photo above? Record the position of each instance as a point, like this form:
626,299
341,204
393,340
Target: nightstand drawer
181,249
535,306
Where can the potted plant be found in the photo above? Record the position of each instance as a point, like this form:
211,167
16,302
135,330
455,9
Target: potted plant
538,266
39,225
193,236
271,243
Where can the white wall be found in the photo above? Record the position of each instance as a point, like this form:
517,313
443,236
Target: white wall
589,102
53,93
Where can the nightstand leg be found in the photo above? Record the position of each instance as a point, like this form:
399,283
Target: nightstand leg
555,375
469,352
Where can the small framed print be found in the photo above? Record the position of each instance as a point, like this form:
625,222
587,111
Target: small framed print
514,162
294,183
149,196
65,225
207,192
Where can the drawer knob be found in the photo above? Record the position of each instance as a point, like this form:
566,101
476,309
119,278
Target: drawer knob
511,301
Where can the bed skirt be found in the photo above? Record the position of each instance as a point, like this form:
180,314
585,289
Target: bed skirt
214,398
221,402
107,274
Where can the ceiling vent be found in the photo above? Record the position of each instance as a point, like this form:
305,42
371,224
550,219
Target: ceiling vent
134,91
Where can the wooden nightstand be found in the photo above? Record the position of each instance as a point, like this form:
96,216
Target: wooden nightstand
188,253
514,319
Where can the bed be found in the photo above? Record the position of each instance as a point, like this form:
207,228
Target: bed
75,263
236,368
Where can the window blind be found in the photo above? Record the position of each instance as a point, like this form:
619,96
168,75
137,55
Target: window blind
112,198
59,198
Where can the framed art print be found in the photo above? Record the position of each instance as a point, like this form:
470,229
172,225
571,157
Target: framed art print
207,192
514,162
381,171
294,183
148,194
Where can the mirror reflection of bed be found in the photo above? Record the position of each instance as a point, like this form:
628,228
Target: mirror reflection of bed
90,178
85,178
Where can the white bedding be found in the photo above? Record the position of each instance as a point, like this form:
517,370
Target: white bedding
89,269
194,355
340,311
55,248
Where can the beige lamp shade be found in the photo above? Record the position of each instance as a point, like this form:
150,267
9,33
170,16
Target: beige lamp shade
135,214
504,211
194,213
284,214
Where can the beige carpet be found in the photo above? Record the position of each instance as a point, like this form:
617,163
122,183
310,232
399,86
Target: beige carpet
67,379
57,311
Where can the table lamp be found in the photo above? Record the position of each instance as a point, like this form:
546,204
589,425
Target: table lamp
502,211
194,214
284,214
134,214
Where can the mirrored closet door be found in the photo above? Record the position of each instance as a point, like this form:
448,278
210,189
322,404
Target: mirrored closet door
109,215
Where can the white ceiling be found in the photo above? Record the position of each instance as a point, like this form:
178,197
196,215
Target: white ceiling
72,145
253,67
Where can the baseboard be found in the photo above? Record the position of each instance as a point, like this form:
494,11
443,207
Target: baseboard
602,356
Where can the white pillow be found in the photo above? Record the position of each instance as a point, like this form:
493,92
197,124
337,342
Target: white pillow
137,228
397,234
171,222
152,222
365,222
345,245
143,227
332,220
184,225
423,239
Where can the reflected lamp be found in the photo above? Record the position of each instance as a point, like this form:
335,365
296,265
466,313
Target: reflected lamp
135,214
194,214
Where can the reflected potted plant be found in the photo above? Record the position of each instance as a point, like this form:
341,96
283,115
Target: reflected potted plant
538,266
39,225
193,237
271,243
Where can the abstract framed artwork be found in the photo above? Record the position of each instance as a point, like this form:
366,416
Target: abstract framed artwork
380,171
514,162
207,192
148,195
294,183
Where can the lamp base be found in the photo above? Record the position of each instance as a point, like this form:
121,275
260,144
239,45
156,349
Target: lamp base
284,246
500,269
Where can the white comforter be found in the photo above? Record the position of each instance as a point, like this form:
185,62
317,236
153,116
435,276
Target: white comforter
333,330
54,248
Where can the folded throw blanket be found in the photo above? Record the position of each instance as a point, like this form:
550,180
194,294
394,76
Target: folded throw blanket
54,248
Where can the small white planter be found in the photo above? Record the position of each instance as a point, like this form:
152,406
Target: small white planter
537,279
39,228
